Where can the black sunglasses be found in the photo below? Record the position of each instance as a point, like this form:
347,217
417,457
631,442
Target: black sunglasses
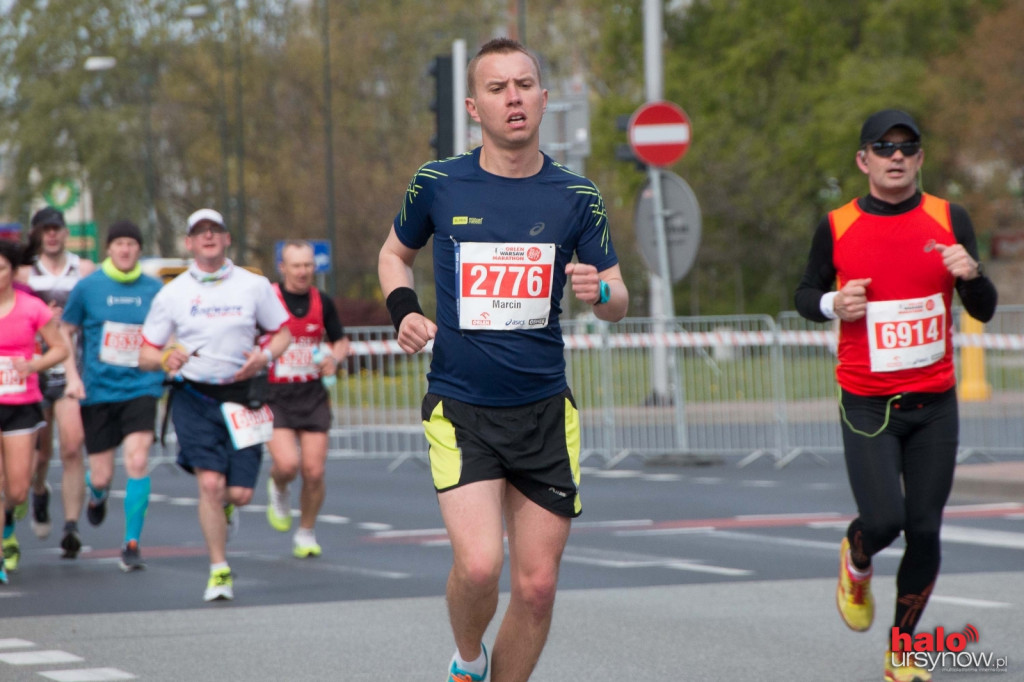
887,149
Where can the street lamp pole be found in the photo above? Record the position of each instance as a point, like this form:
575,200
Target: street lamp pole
150,166
105,63
328,142
196,12
239,139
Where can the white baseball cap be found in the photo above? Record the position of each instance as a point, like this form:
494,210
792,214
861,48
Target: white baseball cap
205,214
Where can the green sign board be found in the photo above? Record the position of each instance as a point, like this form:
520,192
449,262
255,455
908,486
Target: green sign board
82,240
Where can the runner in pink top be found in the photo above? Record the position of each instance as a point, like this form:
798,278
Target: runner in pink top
22,317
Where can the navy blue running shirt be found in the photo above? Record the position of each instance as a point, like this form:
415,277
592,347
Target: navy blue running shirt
456,202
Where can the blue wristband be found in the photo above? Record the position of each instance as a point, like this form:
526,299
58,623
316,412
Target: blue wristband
606,293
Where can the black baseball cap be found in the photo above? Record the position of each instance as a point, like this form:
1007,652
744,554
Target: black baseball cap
881,122
48,216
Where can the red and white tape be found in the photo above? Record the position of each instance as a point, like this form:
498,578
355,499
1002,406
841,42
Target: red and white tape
712,339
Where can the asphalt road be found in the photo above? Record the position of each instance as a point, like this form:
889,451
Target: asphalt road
702,573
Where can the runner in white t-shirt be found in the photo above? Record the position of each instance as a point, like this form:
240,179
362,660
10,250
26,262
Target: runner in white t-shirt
52,277
202,328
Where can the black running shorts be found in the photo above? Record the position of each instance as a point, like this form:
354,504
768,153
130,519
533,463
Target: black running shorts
16,420
107,424
301,406
535,447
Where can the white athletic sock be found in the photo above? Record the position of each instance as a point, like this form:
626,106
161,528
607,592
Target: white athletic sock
217,566
477,667
857,573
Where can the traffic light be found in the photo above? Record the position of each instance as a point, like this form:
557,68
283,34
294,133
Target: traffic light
624,151
443,106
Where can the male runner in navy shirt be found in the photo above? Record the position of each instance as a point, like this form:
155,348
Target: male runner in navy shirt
502,424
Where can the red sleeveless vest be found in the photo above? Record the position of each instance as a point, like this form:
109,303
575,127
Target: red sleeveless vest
296,363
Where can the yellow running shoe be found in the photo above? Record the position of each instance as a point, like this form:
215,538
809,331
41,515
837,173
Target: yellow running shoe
12,553
279,516
899,667
220,586
853,597
304,546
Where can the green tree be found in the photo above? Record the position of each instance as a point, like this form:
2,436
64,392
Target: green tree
776,92
60,120
975,118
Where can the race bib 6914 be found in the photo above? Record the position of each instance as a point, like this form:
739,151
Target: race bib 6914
906,333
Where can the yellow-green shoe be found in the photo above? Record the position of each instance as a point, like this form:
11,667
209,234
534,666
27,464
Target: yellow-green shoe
853,597
899,667
220,586
279,516
12,553
305,547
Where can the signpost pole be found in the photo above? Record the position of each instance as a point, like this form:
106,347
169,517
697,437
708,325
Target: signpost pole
663,365
664,271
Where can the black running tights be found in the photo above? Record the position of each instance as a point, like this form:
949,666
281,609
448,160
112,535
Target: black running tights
900,457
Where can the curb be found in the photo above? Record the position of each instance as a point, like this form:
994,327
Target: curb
994,481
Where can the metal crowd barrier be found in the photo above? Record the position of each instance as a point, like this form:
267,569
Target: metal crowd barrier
746,387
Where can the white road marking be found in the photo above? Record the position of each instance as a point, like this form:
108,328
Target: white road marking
973,603
662,477
88,675
795,515
979,536
627,560
48,657
14,643
830,547
613,473
369,525
993,506
663,531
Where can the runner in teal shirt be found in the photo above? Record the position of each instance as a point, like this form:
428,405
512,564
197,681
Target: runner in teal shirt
108,309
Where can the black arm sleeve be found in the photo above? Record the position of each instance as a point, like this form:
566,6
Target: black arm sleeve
978,295
819,276
332,323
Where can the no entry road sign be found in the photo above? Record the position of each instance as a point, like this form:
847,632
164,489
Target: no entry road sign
659,133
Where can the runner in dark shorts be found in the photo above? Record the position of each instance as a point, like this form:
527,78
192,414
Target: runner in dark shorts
299,399
512,232
106,311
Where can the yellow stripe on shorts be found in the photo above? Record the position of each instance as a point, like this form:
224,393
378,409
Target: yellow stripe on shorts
445,455
572,445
